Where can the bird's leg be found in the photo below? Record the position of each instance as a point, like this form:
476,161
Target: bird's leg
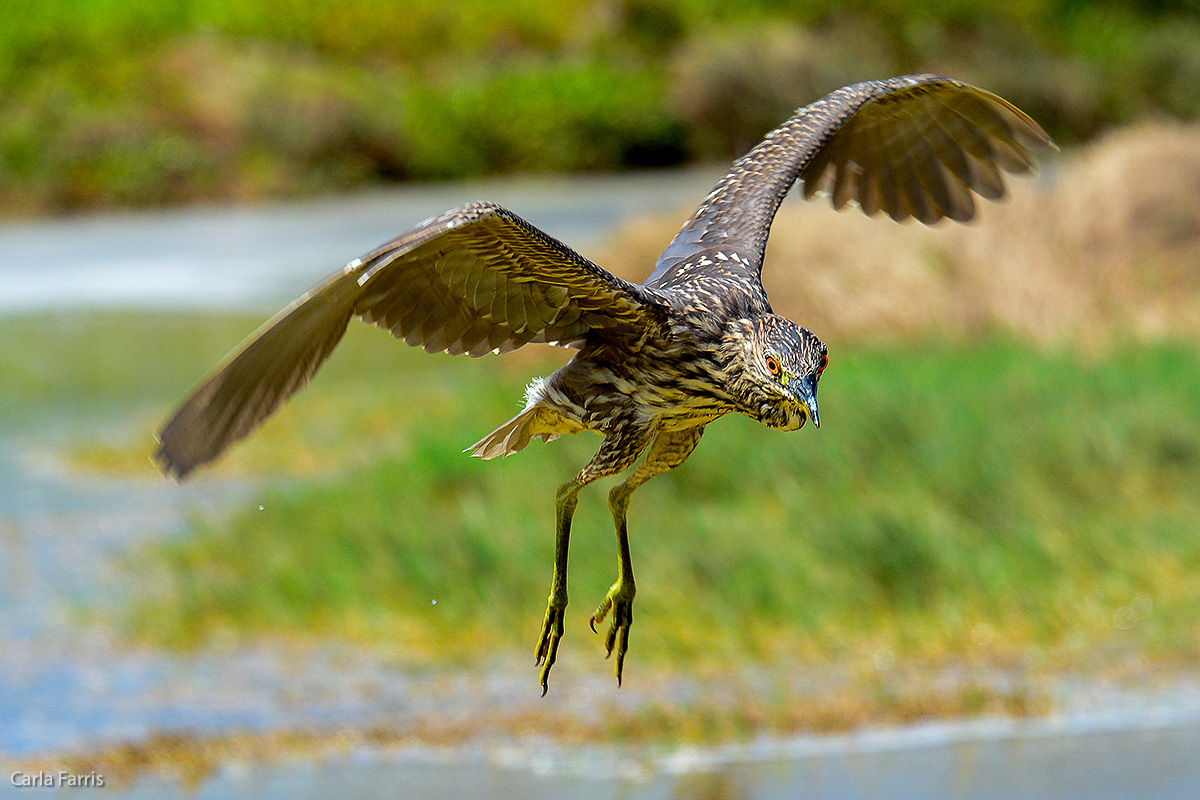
620,596
552,627
616,453
670,449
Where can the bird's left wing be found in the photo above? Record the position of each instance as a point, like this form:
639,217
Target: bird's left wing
476,280
916,146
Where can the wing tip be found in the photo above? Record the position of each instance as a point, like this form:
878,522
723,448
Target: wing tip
170,466
169,457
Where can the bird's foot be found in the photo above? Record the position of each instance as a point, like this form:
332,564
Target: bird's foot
552,631
619,600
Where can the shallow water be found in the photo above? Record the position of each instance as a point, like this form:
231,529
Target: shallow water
1081,758
257,257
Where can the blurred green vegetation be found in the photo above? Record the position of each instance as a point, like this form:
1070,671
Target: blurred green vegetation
141,102
982,501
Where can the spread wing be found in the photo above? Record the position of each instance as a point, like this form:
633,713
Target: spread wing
915,146
476,280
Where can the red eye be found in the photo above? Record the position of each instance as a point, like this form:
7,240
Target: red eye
773,366
824,362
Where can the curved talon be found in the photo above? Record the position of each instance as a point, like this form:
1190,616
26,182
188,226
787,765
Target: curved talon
602,610
620,601
547,649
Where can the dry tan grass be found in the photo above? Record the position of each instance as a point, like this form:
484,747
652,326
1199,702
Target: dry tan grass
1104,245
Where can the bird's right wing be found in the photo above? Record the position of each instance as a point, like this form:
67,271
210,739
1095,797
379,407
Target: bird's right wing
476,280
914,146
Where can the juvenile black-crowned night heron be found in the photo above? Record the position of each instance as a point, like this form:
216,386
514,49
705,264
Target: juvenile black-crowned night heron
657,361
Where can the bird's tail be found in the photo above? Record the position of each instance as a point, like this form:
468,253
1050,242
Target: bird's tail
512,436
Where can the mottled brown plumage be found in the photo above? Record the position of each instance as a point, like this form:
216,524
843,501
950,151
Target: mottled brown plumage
658,361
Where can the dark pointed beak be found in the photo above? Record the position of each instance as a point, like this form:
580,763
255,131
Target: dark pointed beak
806,392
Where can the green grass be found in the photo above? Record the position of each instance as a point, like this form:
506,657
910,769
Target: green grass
976,501
982,500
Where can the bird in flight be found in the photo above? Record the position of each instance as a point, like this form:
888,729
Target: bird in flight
655,362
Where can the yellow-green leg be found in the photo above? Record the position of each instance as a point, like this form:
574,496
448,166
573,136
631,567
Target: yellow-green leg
620,597
616,453
552,628
669,450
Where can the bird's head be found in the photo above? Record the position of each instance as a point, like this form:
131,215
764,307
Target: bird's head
782,366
